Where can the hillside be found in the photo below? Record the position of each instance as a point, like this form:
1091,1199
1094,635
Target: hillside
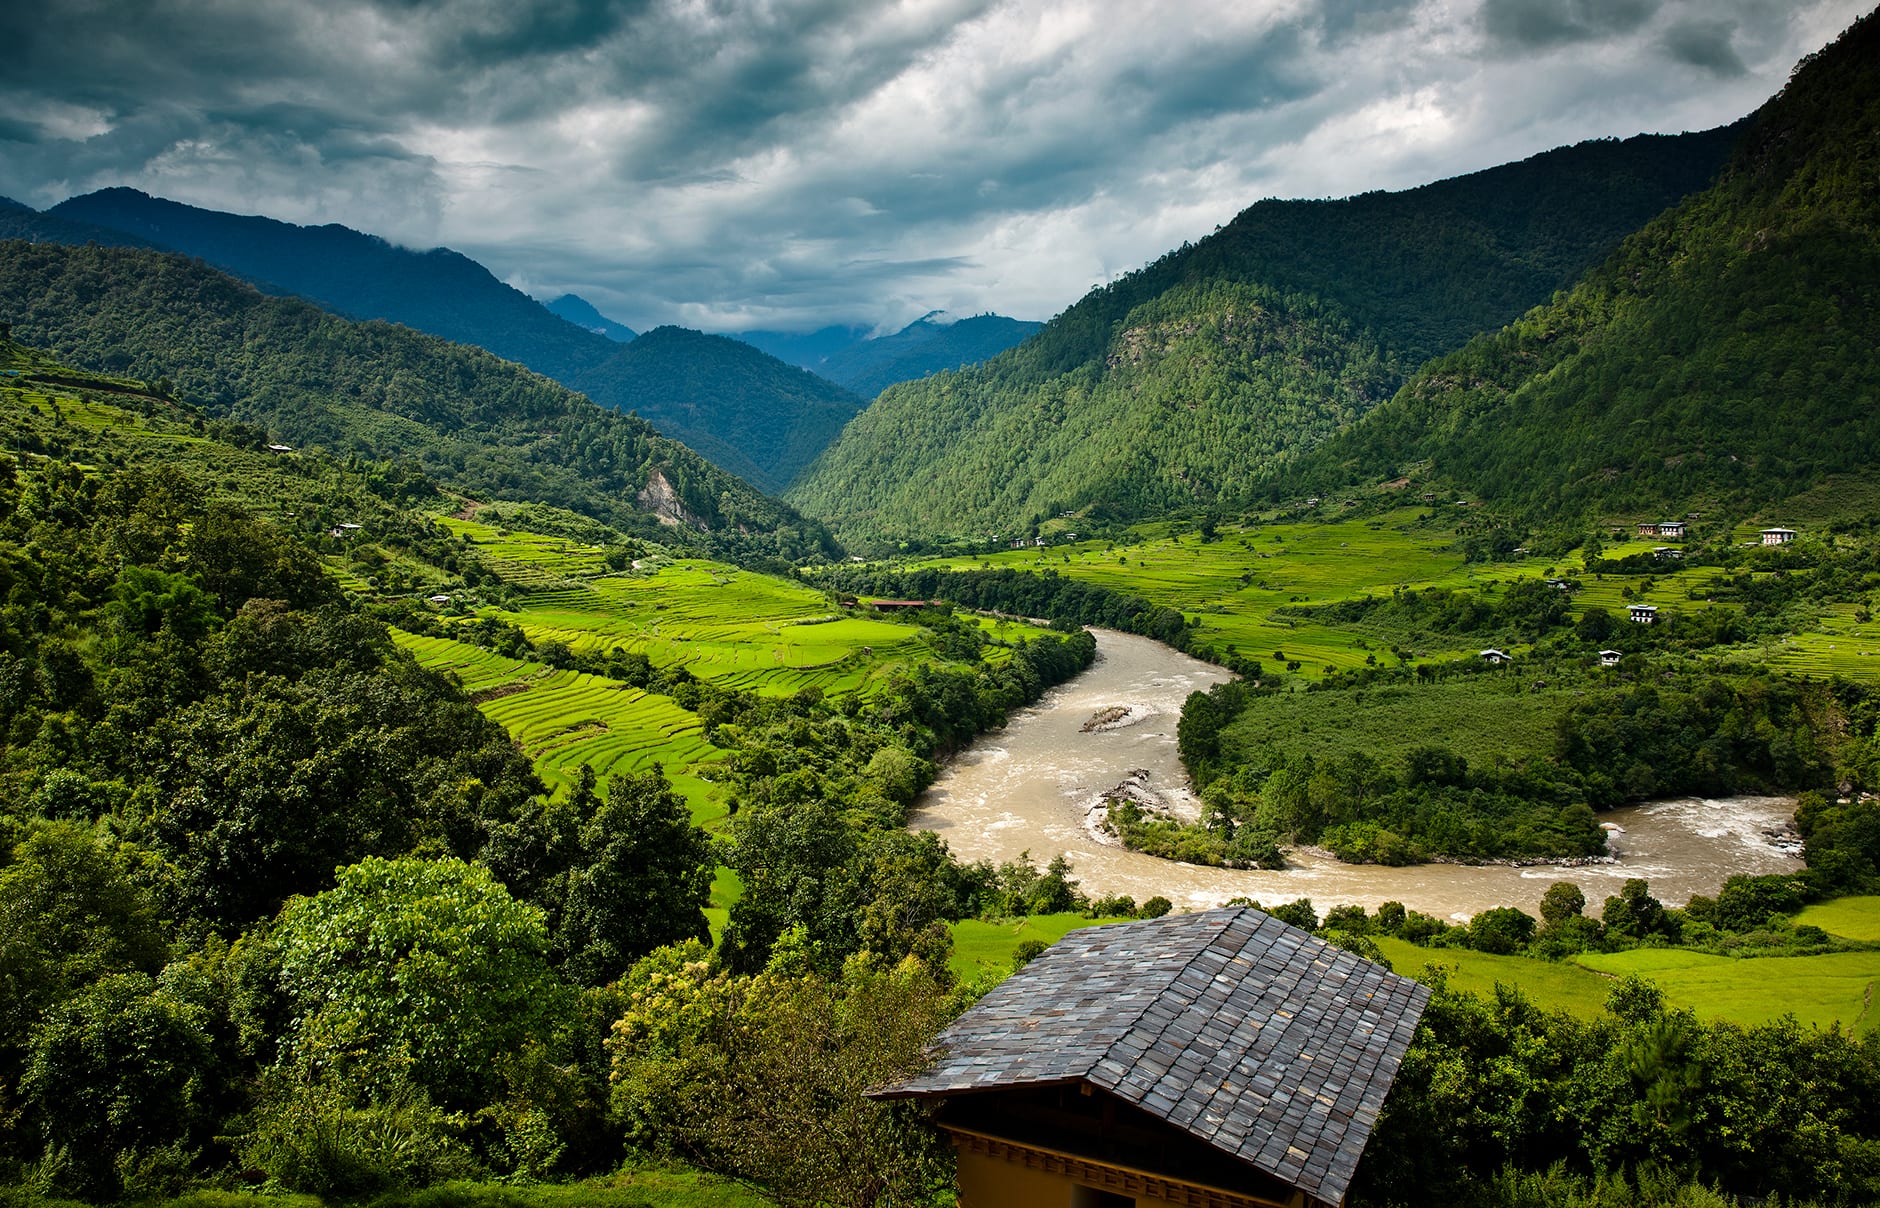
747,411
1722,356
1381,282
475,422
927,345
23,222
713,401
581,312
356,274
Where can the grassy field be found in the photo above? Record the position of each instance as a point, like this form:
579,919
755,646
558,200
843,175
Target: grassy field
1850,918
1480,717
1238,585
1834,989
1822,991
981,948
1561,986
639,1184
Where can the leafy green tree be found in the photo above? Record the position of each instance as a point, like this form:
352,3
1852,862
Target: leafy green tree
69,914
640,882
120,1068
413,971
763,1076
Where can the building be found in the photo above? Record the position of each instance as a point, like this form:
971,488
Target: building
1667,553
1673,529
1496,658
1777,536
1644,614
896,605
1211,1060
1609,658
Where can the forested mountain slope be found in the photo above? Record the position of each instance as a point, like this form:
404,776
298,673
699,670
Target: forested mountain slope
747,411
1724,354
450,295
23,222
1175,384
479,423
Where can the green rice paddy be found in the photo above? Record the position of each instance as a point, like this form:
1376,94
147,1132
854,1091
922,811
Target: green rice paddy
739,629
566,720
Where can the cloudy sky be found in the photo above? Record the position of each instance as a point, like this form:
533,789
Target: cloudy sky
733,164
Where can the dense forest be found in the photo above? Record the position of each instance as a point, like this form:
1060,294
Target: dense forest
1228,357
221,782
385,392
1721,357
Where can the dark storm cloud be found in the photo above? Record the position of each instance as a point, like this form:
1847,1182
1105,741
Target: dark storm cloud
1705,44
801,161
1521,25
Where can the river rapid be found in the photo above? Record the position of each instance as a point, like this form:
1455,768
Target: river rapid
1037,786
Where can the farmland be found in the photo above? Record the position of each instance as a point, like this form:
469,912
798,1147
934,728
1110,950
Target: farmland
1241,586
566,720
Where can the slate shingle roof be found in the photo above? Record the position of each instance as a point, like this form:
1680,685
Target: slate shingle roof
1256,1038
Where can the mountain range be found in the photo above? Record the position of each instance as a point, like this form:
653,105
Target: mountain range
1179,385
1722,356
472,421
760,418
866,364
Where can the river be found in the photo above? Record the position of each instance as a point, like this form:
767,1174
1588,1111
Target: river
1032,787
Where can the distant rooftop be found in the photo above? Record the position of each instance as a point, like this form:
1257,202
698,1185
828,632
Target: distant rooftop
1264,1042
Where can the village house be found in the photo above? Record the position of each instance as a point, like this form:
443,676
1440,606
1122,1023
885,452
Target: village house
1609,658
1496,658
1667,553
1212,1060
1644,614
896,605
1777,536
1673,529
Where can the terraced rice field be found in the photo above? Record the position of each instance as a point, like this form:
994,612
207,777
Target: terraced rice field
565,720
529,559
736,628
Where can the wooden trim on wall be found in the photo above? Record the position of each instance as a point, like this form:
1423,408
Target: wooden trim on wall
1124,1180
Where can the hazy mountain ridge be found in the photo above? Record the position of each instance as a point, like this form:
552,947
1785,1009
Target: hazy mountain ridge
721,397
1386,279
922,347
583,314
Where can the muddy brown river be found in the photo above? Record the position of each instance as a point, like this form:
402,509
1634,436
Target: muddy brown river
1036,786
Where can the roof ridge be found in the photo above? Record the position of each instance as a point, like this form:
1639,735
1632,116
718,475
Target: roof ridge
1155,999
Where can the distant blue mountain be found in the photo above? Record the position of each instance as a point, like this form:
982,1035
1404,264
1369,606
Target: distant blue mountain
580,312
935,341
930,344
809,350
